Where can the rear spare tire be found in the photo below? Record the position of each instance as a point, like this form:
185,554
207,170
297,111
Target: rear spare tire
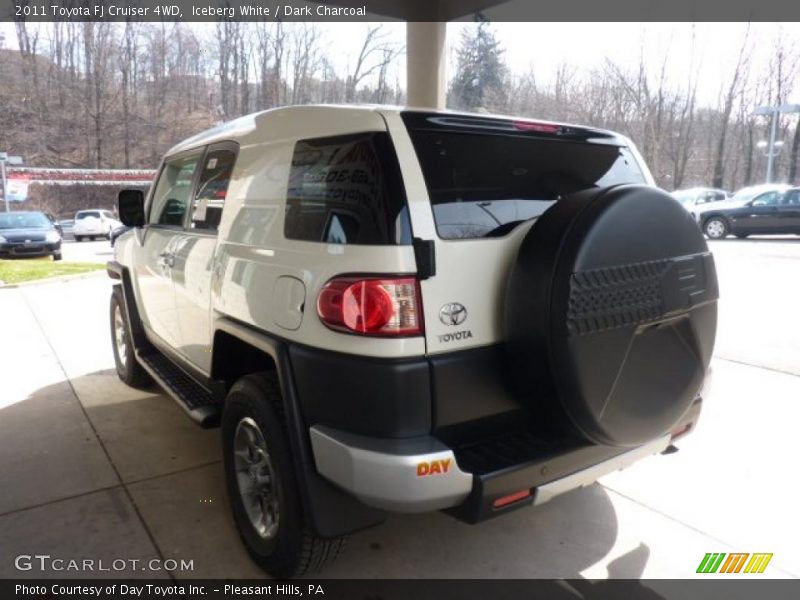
611,312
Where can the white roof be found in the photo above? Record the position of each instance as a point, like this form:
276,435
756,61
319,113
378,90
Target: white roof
317,120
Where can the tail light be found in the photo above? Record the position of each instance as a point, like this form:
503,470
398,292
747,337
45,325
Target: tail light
371,306
537,127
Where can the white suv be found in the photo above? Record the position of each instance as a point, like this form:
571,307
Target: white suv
399,310
94,223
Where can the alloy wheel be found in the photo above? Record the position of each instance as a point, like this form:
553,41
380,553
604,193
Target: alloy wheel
256,479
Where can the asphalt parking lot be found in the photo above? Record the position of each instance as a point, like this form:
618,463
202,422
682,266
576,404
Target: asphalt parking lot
93,469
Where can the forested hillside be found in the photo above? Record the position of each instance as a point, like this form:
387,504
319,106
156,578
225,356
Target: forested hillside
117,95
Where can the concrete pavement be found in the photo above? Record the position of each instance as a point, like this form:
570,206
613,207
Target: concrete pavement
93,469
99,251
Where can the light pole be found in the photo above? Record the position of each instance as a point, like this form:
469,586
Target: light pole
764,144
3,159
774,112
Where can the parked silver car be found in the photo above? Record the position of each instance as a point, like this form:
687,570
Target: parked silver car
692,197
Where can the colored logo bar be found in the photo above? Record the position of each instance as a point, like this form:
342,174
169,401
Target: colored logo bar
735,562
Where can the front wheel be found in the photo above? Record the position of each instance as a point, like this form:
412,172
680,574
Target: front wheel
78,238
262,484
128,368
57,255
716,228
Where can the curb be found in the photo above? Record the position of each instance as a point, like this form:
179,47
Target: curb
59,279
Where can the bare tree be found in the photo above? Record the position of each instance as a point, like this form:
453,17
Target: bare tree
727,101
375,52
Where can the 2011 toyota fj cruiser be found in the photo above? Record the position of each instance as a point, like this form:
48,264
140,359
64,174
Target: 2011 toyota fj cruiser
398,310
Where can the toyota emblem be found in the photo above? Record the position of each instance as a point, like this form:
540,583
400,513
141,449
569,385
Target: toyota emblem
453,314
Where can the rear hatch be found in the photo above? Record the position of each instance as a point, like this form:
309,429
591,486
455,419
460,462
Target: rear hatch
475,185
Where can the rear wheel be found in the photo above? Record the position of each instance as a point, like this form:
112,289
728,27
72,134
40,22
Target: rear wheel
128,368
91,238
57,255
78,238
716,228
262,484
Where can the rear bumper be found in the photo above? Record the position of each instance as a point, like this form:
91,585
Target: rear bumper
98,230
587,476
392,475
423,474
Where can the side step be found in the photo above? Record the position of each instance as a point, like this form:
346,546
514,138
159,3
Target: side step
197,401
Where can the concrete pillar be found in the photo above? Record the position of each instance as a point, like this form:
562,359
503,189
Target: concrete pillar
425,64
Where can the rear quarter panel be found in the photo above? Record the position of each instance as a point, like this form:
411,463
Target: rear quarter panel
253,253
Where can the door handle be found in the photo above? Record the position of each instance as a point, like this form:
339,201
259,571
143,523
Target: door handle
166,259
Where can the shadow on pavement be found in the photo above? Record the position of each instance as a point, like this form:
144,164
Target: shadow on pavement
138,472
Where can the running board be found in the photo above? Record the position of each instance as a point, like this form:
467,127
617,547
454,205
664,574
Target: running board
197,401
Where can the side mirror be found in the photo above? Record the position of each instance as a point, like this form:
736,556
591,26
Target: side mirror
130,205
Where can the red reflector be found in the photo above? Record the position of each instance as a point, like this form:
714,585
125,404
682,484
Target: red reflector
511,498
538,127
387,307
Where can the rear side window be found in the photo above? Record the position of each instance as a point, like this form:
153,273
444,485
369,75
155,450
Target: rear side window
482,184
212,189
346,190
792,197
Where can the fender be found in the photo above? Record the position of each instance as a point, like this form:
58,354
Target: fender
332,512
120,273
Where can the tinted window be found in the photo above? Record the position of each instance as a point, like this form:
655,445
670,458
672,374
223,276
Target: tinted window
212,189
482,184
767,199
171,195
87,213
346,190
791,197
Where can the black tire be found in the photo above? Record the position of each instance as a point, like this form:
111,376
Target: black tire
78,238
128,368
91,238
57,255
287,547
716,228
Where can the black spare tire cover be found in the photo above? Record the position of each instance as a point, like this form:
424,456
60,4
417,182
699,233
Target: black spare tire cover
611,312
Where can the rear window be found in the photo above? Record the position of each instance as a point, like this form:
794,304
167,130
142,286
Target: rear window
87,213
346,190
482,184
